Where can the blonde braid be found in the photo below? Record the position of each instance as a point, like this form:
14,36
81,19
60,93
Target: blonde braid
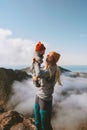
57,76
47,67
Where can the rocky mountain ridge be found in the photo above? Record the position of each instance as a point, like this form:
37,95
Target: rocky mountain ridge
12,120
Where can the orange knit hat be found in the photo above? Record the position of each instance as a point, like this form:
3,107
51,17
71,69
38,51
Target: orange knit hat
55,55
39,47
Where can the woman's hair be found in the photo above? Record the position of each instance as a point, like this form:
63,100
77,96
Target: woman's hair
57,71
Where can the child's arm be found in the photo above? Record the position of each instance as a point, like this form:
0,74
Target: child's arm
35,77
38,58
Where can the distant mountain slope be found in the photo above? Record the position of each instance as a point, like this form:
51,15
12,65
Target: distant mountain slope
28,69
63,69
7,77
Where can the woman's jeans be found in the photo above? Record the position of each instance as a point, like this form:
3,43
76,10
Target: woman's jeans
42,112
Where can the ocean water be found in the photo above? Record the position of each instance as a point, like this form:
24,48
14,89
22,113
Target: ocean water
76,68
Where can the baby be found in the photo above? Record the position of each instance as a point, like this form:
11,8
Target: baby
37,61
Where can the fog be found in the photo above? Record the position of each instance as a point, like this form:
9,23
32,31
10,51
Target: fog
69,101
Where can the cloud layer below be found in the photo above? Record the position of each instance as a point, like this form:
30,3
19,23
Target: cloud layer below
69,101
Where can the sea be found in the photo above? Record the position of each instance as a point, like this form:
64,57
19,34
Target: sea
74,68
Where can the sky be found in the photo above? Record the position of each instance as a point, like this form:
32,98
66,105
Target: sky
60,24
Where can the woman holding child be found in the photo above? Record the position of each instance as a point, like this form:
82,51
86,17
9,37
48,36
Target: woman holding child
45,80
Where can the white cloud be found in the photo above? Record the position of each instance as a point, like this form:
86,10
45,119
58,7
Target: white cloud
16,51
69,101
4,33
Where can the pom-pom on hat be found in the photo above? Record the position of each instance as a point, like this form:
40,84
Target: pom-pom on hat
39,47
55,55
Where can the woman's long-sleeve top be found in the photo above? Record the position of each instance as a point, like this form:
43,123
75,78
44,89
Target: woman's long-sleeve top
47,82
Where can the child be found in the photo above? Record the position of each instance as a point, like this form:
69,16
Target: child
37,60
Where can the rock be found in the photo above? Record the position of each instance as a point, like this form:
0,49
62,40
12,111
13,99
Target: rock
12,120
18,126
7,77
7,119
83,125
29,123
63,70
21,75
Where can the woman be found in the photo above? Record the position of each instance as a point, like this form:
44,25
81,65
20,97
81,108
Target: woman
47,80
